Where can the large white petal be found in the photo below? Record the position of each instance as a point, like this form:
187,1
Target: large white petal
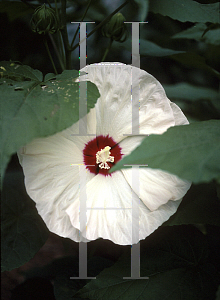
114,107
157,187
51,168
151,220
108,206
109,211
179,117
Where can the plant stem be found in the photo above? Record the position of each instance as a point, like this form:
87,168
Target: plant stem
107,50
57,51
103,22
56,10
61,48
65,35
80,22
51,59
28,4
49,3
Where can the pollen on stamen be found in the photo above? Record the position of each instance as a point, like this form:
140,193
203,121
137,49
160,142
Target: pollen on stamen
103,156
97,155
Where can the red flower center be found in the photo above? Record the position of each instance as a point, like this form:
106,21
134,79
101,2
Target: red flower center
100,154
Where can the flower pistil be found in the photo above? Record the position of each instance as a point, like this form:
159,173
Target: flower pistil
103,156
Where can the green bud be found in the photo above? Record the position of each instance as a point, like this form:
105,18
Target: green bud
116,28
44,20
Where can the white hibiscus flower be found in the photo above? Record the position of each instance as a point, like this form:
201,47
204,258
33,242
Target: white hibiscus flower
52,165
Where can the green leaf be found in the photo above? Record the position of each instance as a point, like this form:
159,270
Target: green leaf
189,151
147,48
187,91
218,294
193,60
23,232
199,206
172,260
67,74
65,288
196,102
18,72
186,10
32,108
151,49
49,76
15,9
198,33
213,37
143,8
195,32
60,270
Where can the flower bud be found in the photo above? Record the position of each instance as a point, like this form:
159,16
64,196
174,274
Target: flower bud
44,20
116,28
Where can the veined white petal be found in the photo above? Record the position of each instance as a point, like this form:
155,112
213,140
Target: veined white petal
108,203
151,220
130,143
114,107
109,211
157,187
179,117
51,168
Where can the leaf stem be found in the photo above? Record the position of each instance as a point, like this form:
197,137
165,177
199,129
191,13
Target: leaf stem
107,49
51,59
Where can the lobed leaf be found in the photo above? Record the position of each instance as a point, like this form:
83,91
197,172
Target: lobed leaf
193,60
200,32
23,232
143,8
199,206
172,260
152,49
218,294
198,103
15,9
186,10
190,92
19,72
33,108
148,48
